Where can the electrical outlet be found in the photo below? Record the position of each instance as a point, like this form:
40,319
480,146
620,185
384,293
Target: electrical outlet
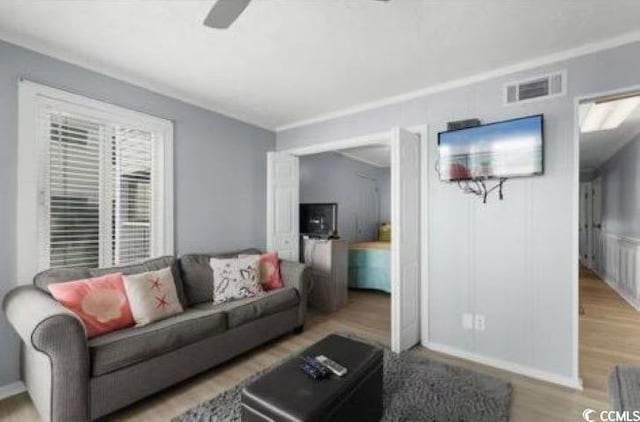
479,323
467,321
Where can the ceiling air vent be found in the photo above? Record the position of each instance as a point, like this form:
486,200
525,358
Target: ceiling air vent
547,86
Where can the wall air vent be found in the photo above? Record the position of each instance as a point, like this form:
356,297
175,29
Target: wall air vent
546,86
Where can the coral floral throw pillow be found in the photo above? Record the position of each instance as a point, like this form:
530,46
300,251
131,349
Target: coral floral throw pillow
101,302
270,277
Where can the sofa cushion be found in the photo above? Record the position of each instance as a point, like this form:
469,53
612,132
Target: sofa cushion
250,309
152,296
126,347
270,277
236,278
59,275
197,276
154,264
100,302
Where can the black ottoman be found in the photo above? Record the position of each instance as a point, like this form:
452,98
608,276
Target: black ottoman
288,394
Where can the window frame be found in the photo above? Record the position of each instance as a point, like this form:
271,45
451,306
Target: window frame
32,159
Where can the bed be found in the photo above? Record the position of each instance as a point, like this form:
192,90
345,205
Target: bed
370,266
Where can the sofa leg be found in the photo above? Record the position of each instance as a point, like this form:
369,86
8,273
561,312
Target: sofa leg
299,329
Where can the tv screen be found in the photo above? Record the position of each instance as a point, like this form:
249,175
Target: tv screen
512,148
318,219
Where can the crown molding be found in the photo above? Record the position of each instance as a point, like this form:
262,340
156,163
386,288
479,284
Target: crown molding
61,54
627,38
47,49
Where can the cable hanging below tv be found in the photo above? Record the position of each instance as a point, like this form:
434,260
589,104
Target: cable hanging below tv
494,151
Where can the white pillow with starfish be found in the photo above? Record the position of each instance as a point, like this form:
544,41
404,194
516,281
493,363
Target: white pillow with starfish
152,296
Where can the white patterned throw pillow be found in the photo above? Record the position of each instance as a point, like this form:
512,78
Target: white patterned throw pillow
152,296
235,278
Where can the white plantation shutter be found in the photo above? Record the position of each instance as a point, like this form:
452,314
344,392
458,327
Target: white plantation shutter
103,184
72,216
132,178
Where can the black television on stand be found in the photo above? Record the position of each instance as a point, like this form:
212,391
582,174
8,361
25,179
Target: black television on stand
319,220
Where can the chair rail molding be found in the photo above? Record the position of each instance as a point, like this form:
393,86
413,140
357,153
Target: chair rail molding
619,265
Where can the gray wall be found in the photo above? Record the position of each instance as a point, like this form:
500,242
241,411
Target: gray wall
220,165
587,175
384,186
355,186
510,260
621,191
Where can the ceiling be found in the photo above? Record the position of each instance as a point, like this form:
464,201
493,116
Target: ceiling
284,61
375,155
597,147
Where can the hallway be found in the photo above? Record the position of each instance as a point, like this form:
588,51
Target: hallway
609,331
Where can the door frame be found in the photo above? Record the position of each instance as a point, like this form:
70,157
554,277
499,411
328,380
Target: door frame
577,100
595,260
587,221
384,137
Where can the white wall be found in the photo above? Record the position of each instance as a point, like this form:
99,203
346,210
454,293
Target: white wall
512,261
359,189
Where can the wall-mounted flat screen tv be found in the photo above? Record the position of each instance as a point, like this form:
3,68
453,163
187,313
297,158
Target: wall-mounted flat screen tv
512,148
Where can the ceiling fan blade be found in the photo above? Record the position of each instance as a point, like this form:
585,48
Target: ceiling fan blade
225,12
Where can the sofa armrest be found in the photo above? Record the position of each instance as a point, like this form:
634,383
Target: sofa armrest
297,275
55,362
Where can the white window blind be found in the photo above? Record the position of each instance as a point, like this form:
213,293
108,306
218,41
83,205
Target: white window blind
72,202
132,162
100,178
98,189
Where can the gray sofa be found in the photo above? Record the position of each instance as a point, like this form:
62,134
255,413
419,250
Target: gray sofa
70,378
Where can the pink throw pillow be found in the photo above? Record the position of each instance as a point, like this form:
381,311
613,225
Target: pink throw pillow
270,277
100,302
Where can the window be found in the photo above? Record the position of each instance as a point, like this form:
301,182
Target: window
95,183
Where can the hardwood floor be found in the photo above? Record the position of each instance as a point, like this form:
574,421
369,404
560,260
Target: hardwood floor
609,334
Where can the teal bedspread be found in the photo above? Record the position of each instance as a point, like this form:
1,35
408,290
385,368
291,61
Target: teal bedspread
370,269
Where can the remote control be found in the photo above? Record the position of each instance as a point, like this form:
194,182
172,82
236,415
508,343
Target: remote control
311,371
313,368
336,368
320,367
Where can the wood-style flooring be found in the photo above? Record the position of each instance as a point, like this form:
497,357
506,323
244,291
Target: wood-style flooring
609,334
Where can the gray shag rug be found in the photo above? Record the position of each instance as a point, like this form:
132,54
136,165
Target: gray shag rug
415,389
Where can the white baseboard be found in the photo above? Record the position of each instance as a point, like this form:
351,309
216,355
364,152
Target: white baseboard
12,389
575,383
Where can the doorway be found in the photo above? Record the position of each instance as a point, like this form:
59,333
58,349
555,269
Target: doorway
283,218
608,233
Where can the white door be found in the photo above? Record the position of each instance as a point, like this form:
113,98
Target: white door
405,239
596,225
283,189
